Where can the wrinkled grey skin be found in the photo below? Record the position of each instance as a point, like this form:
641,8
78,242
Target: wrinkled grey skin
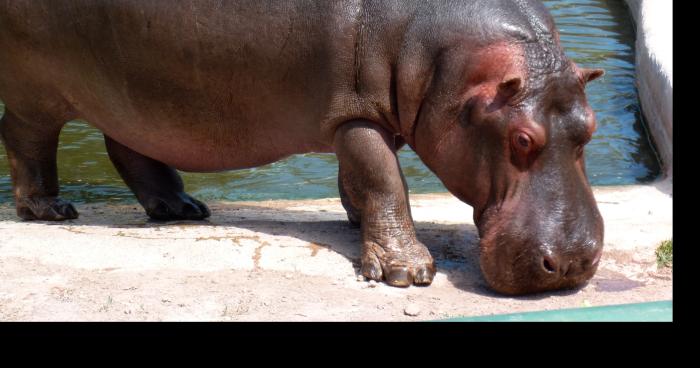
480,90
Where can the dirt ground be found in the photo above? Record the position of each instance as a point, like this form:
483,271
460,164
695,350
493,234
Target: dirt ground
295,261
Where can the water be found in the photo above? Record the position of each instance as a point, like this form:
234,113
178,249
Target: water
595,33
600,34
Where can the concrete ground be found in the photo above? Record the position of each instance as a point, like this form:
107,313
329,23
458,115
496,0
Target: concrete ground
294,260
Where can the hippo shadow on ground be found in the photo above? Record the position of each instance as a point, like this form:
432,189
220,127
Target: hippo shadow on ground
455,247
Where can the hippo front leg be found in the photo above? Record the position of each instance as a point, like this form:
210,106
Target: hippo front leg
374,190
352,212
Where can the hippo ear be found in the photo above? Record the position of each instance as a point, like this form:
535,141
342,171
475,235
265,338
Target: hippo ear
510,86
591,74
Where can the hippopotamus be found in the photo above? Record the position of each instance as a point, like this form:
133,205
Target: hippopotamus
481,90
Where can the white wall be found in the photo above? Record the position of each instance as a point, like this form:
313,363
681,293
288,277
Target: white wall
654,64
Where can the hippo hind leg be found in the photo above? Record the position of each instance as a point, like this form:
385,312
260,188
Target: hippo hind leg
157,186
31,141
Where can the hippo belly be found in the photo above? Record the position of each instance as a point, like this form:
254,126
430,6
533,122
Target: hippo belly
204,140
210,146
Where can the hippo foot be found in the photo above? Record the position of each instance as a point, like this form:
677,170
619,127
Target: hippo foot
399,266
179,206
45,209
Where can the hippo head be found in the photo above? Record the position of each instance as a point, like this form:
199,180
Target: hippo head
510,142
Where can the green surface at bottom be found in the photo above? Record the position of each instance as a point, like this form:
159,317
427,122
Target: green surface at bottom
661,311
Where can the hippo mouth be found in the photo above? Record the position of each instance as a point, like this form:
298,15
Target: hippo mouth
526,273
514,262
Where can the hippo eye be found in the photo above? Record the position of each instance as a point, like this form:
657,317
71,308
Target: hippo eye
522,147
523,141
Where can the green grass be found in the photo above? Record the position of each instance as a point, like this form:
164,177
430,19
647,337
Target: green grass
664,254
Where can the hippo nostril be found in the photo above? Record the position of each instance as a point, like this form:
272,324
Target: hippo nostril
549,264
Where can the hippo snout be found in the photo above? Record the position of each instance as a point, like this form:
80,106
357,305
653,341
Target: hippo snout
514,266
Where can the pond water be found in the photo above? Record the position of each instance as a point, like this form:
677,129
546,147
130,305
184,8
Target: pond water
595,33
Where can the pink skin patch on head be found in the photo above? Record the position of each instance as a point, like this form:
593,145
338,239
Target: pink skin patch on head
492,65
